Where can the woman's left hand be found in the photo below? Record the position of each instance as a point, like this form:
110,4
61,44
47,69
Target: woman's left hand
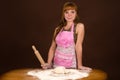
85,68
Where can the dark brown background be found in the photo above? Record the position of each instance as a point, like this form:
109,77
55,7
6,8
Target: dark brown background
27,22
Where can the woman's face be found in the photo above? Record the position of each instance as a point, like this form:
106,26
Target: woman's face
70,15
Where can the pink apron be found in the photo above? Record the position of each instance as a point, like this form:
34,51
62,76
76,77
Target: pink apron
65,51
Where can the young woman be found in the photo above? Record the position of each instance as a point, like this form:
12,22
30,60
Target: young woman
66,50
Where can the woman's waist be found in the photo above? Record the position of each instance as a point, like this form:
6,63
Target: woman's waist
70,49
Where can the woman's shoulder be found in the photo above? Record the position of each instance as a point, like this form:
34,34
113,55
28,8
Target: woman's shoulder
57,28
79,26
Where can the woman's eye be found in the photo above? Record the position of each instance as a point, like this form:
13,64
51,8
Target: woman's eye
66,12
72,11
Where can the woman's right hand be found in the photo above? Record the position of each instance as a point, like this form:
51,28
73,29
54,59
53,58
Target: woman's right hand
46,66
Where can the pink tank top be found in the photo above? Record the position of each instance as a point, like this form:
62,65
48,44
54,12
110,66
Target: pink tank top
65,51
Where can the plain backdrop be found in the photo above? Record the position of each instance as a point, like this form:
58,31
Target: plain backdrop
24,23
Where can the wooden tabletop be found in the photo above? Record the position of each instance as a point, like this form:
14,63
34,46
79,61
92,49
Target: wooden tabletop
21,74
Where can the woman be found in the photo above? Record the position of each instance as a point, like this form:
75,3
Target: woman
65,50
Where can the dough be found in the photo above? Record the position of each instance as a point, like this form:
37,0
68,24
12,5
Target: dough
60,70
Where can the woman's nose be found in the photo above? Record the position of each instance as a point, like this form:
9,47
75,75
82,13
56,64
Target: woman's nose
69,14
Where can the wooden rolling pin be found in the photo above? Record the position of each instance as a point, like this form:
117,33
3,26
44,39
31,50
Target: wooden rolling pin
38,55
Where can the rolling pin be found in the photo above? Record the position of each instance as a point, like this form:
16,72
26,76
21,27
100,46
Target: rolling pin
38,55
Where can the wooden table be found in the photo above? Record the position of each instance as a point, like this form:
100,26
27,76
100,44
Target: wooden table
21,74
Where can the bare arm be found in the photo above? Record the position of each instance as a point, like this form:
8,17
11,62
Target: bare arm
80,31
52,50
50,53
80,37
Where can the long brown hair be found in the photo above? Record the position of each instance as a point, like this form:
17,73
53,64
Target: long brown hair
62,23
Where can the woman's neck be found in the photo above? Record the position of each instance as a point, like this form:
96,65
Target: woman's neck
69,24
